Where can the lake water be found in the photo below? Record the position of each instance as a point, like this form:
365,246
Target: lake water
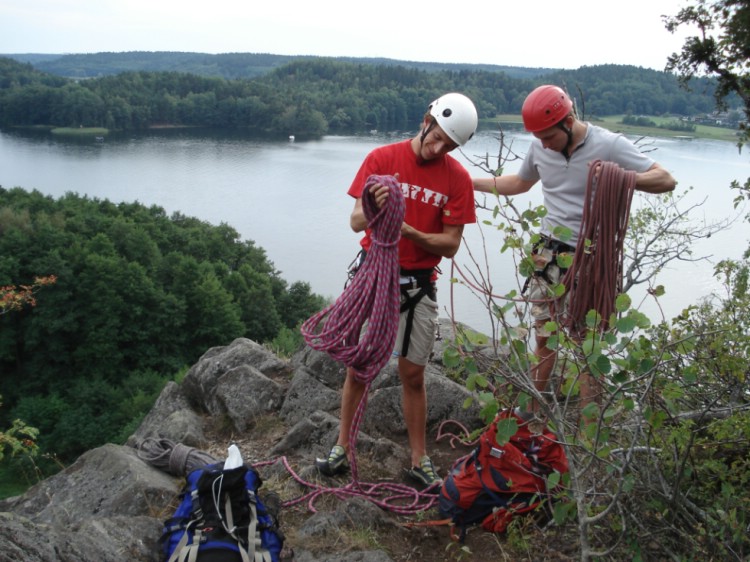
290,198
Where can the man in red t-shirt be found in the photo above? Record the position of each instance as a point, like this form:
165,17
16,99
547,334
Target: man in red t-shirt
439,201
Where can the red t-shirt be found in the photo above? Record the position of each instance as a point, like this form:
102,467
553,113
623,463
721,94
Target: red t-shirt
436,192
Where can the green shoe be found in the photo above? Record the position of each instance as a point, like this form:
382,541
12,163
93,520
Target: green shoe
336,463
425,473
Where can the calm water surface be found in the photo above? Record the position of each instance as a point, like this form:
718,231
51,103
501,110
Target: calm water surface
290,198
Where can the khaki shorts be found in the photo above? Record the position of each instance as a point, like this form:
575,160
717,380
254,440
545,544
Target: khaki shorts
423,330
539,293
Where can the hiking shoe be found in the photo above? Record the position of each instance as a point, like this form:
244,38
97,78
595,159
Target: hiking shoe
336,463
425,473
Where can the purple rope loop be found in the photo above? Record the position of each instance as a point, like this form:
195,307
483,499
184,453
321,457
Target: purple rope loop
403,499
360,327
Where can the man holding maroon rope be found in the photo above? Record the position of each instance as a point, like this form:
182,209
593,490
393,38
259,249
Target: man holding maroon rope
559,157
439,201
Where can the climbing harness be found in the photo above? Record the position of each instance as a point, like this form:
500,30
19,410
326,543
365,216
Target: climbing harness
353,268
413,279
556,247
410,279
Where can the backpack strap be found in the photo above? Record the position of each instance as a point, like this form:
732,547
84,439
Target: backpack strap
185,552
230,528
254,544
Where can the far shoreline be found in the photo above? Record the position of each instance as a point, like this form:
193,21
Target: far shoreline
614,123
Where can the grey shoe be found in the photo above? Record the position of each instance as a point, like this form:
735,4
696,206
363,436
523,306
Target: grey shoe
336,463
425,473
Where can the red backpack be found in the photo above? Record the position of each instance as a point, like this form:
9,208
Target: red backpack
497,482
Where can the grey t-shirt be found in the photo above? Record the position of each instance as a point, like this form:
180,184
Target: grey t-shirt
564,181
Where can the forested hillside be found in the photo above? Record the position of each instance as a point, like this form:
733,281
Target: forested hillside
222,65
139,296
316,96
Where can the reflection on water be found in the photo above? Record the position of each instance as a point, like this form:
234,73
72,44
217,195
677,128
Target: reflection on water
290,197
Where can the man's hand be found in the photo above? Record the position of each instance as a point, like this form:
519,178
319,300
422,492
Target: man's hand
380,193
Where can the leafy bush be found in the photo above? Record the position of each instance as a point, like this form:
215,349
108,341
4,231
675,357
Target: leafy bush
134,296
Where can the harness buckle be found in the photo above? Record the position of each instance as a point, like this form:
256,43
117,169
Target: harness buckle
556,246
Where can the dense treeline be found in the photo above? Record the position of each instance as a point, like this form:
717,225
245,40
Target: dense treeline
312,97
139,297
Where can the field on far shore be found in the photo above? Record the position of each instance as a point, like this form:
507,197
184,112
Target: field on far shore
79,131
614,123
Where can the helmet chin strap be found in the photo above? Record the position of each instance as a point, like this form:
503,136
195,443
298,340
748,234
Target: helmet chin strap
425,132
569,132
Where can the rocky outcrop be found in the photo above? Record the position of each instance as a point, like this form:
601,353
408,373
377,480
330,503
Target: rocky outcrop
110,504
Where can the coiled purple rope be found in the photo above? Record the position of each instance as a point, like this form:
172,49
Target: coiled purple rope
360,327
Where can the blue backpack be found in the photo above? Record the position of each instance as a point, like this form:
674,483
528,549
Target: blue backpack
221,518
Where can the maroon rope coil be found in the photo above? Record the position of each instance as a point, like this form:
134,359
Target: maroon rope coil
360,327
595,278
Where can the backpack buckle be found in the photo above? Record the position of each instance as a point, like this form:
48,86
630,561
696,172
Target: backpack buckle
497,453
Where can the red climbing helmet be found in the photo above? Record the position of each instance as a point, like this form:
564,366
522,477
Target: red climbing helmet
545,107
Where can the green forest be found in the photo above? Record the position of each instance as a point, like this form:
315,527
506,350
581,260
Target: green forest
139,296
310,97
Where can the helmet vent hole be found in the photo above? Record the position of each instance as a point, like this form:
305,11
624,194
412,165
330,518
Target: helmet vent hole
447,112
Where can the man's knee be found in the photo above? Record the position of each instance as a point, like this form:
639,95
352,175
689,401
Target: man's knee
411,375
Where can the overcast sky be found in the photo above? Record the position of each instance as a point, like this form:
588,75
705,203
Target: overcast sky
532,33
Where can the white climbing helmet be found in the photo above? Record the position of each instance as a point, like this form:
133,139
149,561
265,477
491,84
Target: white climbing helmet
456,115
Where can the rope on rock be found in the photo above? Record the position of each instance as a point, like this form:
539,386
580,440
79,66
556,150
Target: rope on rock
595,278
389,496
175,458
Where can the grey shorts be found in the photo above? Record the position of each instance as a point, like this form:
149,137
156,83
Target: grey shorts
423,330
539,292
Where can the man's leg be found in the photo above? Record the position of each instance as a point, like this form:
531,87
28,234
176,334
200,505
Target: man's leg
411,371
539,292
351,395
542,371
414,405
591,390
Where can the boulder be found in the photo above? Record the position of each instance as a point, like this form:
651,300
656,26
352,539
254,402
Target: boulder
110,504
